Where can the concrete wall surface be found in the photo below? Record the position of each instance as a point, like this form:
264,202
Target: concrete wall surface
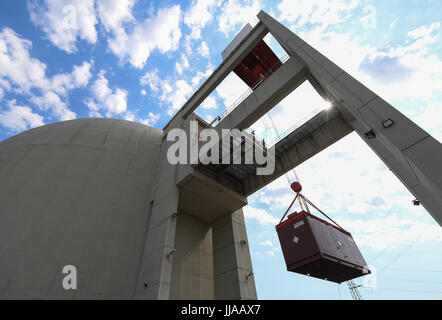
75,193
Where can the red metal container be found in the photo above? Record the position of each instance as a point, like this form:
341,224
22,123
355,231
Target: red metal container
314,247
258,65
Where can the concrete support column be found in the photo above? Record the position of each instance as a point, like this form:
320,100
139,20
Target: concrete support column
154,279
192,273
232,265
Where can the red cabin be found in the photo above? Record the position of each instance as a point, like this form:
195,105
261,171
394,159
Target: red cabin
258,65
314,247
317,248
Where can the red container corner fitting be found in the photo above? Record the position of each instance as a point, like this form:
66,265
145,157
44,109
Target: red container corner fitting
314,247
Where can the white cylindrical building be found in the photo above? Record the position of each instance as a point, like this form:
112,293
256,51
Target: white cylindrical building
75,193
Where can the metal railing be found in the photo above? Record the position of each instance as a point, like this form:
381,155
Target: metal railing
295,126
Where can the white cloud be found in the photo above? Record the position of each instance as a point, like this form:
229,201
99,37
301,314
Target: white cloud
129,116
320,12
19,118
21,73
151,119
16,64
114,13
199,15
180,95
64,82
425,32
392,231
407,70
153,80
259,215
64,21
82,74
340,47
143,92
188,45
161,32
4,84
196,80
181,66
173,93
420,69
266,243
204,49
430,118
105,99
231,89
51,100
238,12
61,83
209,103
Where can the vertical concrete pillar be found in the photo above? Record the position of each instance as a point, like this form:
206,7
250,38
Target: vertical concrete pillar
232,265
192,273
154,279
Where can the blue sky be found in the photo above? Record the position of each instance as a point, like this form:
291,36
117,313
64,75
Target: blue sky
141,60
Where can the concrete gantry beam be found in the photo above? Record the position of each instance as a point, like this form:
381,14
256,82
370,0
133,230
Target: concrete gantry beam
223,70
314,136
281,83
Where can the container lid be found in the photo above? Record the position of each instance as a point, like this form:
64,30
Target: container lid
296,216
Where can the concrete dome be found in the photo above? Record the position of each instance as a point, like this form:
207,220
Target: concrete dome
75,193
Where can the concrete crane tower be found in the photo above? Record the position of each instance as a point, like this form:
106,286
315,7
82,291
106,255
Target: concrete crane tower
100,195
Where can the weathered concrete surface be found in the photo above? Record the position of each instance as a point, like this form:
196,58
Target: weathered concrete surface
178,259
75,193
232,264
192,271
